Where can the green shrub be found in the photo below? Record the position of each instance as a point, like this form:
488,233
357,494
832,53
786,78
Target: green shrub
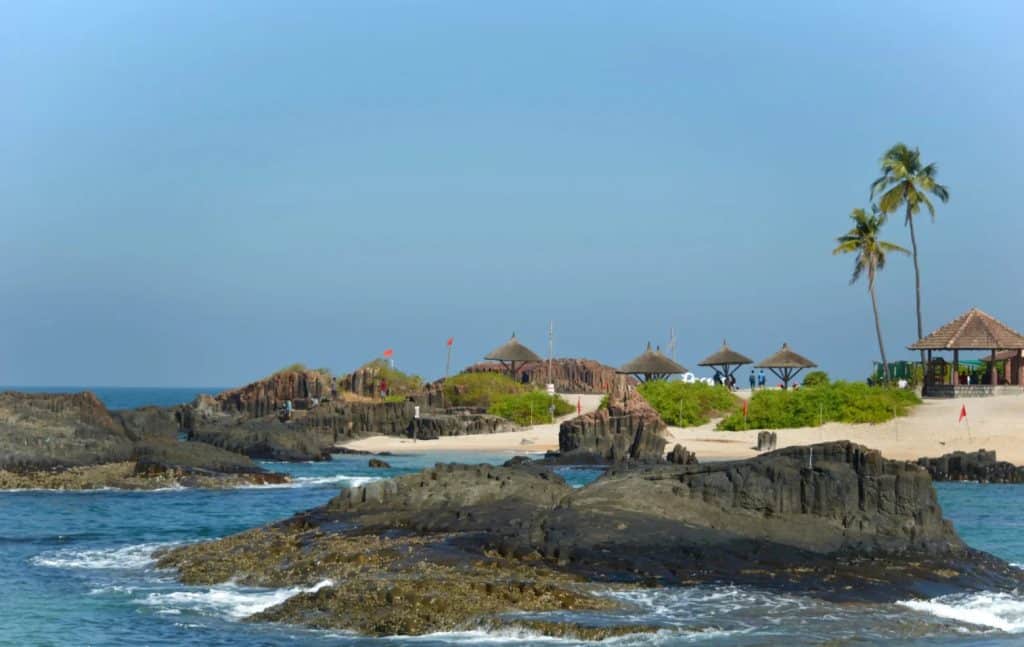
399,383
531,408
816,378
688,405
479,389
849,402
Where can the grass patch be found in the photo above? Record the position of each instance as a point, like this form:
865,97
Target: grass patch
850,402
531,408
399,384
687,405
480,389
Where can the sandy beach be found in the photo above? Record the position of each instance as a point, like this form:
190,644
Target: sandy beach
932,429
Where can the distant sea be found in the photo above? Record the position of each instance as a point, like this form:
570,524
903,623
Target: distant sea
128,397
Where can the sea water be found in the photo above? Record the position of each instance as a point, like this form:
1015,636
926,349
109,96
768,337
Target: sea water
76,568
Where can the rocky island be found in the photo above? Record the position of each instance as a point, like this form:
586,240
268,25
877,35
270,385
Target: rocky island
464,546
71,441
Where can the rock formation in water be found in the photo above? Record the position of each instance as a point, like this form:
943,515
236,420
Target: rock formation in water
456,547
980,466
72,441
627,430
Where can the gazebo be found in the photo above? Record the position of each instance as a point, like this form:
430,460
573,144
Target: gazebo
972,331
785,364
726,360
513,356
651,365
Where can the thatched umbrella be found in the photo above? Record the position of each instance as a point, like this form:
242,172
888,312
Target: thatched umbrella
651,365
786,364
726,360
513,356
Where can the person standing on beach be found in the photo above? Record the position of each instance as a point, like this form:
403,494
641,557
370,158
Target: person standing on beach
761,379
753,380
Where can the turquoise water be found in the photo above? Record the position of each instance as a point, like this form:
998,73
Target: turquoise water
76,569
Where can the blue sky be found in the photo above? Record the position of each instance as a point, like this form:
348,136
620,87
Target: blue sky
200,193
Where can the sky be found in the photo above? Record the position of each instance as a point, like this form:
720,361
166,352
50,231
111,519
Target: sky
198,194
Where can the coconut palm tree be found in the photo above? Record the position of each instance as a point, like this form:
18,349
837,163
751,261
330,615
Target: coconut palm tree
863,240
906,182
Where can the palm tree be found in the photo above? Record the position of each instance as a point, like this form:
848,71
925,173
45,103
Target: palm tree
906,182
863,240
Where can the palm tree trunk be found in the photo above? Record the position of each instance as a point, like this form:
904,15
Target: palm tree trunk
917,282
878,331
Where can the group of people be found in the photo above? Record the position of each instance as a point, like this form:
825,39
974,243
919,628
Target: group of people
757,380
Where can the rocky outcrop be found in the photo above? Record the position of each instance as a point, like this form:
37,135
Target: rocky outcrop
41,431
150,422
627,430
569,375
459,546
767,441
265,397
679,456
980,466
460,423
377,463
71,441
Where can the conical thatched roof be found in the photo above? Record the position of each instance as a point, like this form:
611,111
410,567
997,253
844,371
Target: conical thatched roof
652,362
512,351
725,355
973,330
786,358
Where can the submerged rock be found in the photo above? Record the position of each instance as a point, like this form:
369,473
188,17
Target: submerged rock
980,466
376,463
460,546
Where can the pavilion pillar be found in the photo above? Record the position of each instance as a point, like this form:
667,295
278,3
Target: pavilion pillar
955,377
928,369
995,374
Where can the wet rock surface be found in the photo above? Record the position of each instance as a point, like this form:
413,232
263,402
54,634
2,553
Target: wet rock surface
981,466
459,546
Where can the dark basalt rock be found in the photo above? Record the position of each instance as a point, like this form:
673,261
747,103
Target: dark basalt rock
980,466
270,440
41,431
376,463
627,430
679,456
150,422
189,457
456,546
432,426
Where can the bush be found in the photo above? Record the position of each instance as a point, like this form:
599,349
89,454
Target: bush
836,402
399,384
531,408
688,405
816,378
479,389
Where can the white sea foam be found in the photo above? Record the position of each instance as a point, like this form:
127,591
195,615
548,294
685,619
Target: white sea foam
1001,611
125,557
228,599
310,481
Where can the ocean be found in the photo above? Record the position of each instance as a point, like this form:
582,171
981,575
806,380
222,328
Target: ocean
76,570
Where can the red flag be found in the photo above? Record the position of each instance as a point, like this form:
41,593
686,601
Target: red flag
451,340
389,353
963,412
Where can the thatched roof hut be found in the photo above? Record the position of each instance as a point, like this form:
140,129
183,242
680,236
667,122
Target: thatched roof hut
785,364
726,360
651,365
974,330
512,355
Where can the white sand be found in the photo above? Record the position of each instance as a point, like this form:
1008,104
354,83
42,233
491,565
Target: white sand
538,438
930,430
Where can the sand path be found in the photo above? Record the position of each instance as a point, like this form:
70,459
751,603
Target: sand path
538,438
930,430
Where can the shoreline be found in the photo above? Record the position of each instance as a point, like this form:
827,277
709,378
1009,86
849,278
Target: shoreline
930,430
